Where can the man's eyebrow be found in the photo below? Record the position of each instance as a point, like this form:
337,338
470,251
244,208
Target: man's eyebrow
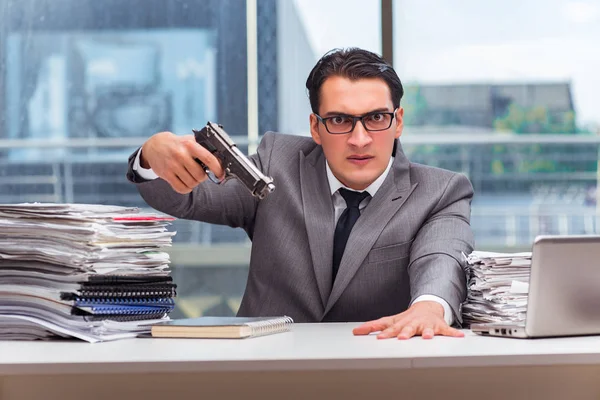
381,109
332,113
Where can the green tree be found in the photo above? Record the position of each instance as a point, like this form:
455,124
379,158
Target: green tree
536,120
537,157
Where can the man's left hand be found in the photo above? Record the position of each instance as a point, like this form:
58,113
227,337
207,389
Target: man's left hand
424,318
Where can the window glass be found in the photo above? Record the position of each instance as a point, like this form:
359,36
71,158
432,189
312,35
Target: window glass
84,82
505,92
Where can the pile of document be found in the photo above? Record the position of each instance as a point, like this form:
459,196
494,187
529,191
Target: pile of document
498,287
92,272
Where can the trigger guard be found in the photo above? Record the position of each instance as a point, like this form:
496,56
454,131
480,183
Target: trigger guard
213,178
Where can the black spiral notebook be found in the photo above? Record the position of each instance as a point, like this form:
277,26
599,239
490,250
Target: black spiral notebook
221,327
123,291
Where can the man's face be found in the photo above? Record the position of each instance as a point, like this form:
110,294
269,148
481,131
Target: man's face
359,157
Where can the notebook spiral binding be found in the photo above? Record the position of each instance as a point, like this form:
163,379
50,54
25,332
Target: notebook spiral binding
142,292
129,301
275,325
125,279
128,292
122,310
129,311
124,317
147,293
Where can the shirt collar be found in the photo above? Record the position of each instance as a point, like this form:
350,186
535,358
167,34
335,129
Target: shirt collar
335,184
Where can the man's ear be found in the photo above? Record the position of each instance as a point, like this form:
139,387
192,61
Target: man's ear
399,122
314,128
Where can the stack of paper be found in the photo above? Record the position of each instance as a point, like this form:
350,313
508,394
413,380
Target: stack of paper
89,271
498,287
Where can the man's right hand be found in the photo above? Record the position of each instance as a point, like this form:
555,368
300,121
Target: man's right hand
173,158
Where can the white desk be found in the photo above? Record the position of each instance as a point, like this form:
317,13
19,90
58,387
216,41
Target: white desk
311,361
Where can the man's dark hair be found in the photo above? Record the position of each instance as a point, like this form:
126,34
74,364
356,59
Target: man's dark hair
354,64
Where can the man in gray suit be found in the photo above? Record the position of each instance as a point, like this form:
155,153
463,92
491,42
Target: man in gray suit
354,230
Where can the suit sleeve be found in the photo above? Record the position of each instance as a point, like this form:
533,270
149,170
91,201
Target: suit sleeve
227,204
437,266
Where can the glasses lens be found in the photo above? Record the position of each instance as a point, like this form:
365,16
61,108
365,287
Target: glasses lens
339,124
377,121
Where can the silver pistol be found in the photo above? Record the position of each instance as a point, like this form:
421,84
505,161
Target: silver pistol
236,165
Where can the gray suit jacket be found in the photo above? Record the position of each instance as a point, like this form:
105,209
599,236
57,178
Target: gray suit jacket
406,243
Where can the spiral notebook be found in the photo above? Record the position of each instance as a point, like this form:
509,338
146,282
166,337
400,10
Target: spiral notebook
221,327
122,306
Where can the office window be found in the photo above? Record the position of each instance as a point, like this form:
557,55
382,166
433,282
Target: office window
505,92
306,30
83,83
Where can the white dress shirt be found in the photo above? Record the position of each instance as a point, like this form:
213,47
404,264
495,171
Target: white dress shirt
144,173
339,205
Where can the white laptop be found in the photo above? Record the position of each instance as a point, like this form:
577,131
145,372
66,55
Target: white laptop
564,290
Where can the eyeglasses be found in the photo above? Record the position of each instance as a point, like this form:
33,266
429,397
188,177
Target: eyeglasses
372,122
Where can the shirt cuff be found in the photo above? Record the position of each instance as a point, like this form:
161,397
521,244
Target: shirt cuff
144,173
448,316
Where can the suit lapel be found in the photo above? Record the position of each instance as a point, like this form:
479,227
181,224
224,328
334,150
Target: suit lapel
383,206
318,217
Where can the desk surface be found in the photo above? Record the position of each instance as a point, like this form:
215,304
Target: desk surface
306,347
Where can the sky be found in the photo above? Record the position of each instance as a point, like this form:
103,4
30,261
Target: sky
474,41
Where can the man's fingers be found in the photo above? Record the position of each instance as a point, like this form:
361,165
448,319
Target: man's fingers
407,332
206,157
389,332
370,327
449,331
188,180
395,326
408,324
191,163
195,171
173,158
177,184
183,163
428,333
363,329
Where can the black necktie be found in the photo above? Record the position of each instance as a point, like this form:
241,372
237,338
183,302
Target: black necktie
345,224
